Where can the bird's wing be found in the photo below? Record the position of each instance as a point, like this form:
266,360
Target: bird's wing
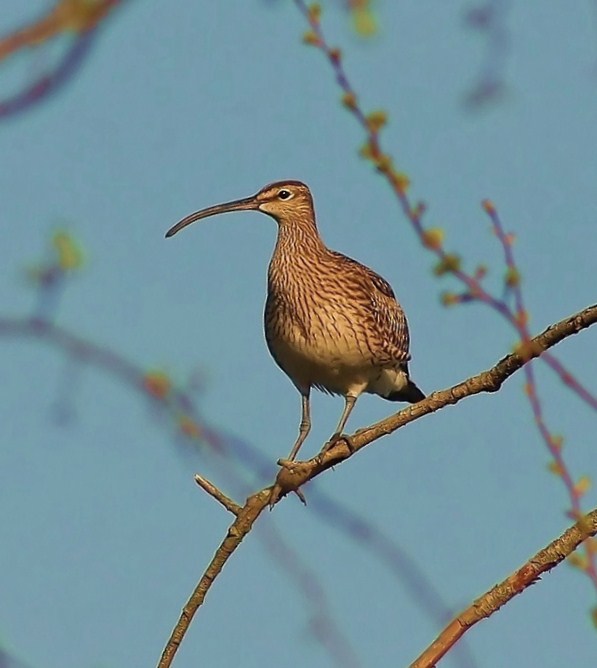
391,322
388,337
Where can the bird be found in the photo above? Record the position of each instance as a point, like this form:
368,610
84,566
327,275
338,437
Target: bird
330,322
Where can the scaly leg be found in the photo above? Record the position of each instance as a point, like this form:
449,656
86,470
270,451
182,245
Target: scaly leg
304,428
349,403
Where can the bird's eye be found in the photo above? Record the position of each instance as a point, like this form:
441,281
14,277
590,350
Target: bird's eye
284,194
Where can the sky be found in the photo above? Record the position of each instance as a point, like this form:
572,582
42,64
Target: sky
182,105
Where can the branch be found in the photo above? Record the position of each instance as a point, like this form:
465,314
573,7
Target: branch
490,19
450,263
178,401
217,494
77,18
66,16
294,474
237,531
513,585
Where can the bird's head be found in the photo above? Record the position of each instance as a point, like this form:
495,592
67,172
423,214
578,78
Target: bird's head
282,200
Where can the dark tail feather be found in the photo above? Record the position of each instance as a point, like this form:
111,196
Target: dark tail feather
410,393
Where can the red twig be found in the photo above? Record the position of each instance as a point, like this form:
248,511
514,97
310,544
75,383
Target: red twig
79,18
449,263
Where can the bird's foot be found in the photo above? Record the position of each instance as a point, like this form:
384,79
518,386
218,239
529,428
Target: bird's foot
336,438
286,481
278,492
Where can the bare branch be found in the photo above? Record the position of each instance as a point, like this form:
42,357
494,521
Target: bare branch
450,263
237,531
294,474
217,494
503,592
179,403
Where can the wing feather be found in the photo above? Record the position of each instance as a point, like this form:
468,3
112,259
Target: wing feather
388,336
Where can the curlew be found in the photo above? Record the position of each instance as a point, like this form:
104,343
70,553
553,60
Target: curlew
331,323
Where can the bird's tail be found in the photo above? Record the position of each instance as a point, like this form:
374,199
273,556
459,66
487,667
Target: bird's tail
410,393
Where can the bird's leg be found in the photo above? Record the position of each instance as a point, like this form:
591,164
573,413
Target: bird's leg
304,427
349,402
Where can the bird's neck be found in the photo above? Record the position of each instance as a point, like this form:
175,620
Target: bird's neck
298,247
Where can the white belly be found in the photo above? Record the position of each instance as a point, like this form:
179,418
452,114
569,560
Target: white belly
334,365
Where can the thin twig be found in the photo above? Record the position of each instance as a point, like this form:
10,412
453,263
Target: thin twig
79,20
373,151
63,17
217,494
449,263
294,474
490,18
503,592
241,526
179,402
571,381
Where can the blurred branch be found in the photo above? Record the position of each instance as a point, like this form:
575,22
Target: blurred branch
335,639
8,660
489,19
178,401
405,568
233,455
529,573
241,526
158,387
518,316
67,16
294,474
75,346
79,18
450,264
49,82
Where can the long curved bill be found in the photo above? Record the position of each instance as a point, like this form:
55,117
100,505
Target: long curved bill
246,204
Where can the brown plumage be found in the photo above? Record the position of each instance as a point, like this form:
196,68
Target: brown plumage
330,322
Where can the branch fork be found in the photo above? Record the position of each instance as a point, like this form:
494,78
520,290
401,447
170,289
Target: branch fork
294,474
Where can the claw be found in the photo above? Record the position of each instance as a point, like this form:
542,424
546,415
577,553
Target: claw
338,437
286,482
278,493
275,496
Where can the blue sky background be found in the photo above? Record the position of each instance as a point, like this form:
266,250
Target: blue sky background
182,105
